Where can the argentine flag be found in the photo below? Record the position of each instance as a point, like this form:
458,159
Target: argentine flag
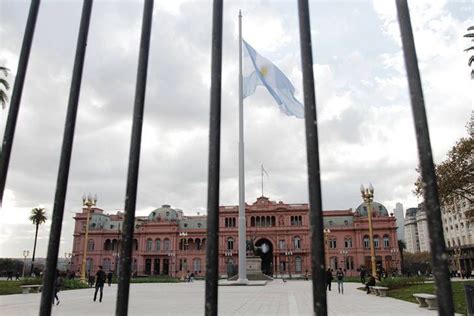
260,71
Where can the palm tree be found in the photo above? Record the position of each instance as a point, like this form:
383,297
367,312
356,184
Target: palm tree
470,33
4,89
38,217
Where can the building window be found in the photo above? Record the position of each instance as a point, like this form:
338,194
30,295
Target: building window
298,264
106,263
349,263
197,265
376,241
158,244
282,244
199,225
183,264
297,242
386,241
332,243
230,243
166,244
107,245
348,242
198,244
252,221
90,245
346,222
149,245
366,241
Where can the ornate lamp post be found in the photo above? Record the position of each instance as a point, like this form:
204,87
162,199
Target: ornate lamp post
457,259
288,254
116,255
67,256
25,254
368,197
228,254
394,252
326,232
344,253
171,255
88,202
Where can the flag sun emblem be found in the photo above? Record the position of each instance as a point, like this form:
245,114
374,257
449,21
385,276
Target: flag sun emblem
264,70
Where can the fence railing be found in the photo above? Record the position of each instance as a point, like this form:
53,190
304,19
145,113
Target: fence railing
438,248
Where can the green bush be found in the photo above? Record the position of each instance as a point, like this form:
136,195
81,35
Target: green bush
73,284
31,281
400,282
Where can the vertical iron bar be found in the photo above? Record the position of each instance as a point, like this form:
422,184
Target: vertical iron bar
212,250
430,188
312,148
133,163
65,161
6,147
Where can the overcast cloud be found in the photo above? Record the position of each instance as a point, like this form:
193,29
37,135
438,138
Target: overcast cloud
365,123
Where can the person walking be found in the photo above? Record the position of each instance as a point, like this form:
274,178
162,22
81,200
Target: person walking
58,283
109,277
100,278
328,279
362,275
340,281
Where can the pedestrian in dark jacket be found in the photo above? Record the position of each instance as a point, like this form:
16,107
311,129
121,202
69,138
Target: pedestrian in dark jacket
109,277
100,278
328,279
362,275
58,283
370,282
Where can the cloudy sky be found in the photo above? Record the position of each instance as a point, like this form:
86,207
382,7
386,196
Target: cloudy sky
365,123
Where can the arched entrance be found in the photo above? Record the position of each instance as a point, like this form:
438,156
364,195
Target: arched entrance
265,251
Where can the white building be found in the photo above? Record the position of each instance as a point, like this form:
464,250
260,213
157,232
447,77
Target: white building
398,212
416,230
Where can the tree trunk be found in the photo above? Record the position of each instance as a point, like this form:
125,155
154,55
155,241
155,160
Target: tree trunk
34,250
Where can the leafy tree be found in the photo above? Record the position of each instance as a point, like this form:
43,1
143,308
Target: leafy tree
38,217
402,246
455,175
470,34
4,86
418,261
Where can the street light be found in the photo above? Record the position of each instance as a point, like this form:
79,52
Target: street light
228,254
288,255
368,197
344,253
116,255
25,254
67,256
394,252
457,259
326,232
87,201
171,255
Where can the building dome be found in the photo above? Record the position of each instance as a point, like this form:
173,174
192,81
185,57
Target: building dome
377,208
165,212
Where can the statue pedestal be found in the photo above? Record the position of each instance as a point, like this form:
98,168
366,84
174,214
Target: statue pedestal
254,270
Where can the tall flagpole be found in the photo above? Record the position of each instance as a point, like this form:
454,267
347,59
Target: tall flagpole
261,171
242,225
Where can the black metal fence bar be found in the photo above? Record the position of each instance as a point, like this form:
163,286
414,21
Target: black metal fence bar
212,250
314,172
430,188
7,143
65,161
133,163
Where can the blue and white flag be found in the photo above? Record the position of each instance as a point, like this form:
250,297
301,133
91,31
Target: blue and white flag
260,71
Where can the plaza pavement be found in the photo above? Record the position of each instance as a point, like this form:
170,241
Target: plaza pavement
276,298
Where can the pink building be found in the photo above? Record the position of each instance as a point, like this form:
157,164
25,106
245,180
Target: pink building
170,243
